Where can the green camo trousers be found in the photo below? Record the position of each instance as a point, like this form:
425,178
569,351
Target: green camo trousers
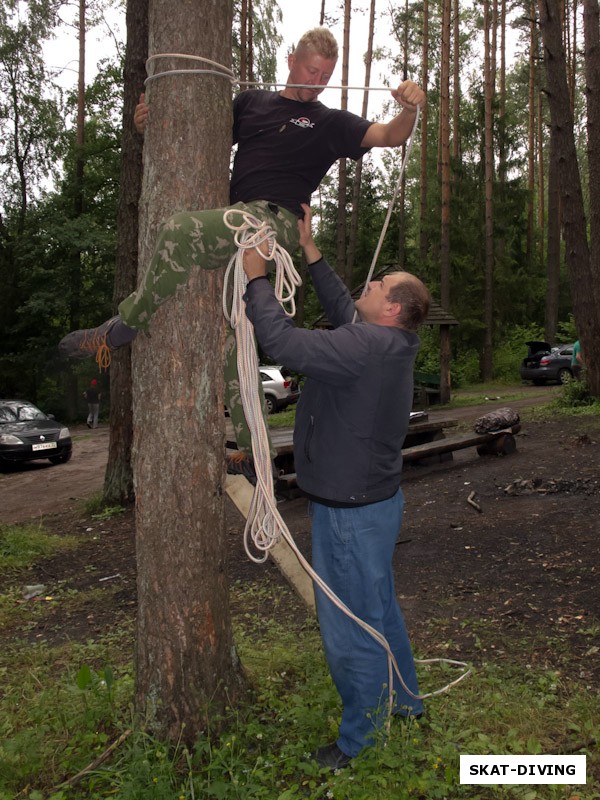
201,239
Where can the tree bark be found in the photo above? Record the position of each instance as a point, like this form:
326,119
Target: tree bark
352,244
423,189
553,252
445,193
186,668
583,274
487,363
341,262
118,480
591,27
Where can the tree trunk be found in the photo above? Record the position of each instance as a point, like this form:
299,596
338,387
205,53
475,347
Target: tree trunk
351,254
531,140
118,481
423,221
341,262
186,666
591,19
553,252
456,83
487,364
583,274
445,193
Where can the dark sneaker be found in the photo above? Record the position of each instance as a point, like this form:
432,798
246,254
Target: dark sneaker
331,757
239,463
98,341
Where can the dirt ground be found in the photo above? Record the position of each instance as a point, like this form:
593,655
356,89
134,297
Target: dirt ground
524,567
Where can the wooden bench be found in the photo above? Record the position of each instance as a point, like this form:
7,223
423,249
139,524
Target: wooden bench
496,443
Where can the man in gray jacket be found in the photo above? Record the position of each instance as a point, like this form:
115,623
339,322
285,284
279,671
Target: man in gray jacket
351,421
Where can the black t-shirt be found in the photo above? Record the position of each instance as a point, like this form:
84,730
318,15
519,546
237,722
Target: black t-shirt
92,395
285,147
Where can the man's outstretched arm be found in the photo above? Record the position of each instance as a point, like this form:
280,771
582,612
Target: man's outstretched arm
397,130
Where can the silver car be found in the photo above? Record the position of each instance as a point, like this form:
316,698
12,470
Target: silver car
280,388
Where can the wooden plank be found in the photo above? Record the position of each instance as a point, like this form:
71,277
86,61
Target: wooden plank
456,442
240,492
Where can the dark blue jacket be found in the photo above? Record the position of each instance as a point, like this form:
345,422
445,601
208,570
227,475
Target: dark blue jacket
354,409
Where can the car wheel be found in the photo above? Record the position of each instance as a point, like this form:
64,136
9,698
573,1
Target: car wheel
564,375
62,459
270,404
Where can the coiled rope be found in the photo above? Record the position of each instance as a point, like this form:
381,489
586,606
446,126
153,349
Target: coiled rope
264,525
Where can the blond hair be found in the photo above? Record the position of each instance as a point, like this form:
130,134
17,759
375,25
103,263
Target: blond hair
320,41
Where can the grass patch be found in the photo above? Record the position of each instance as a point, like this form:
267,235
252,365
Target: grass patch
96,508
23,545
283,419
62,707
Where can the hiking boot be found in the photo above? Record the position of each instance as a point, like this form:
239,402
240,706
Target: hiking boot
239,463
98,341
331,757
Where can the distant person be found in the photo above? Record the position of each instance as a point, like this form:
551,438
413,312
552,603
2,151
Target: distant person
577,364
93,397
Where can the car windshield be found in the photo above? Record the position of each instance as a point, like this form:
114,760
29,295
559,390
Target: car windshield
14,413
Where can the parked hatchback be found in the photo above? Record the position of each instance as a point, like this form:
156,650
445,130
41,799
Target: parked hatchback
26,434
545,363
280,388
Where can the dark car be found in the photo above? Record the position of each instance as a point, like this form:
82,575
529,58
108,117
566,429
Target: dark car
545,363
26,434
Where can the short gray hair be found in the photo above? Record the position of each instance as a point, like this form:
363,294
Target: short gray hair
414,297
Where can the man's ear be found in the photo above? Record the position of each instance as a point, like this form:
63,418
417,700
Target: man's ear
290,60
393,309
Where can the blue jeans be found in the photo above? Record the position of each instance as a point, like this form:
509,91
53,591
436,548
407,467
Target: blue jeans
352,550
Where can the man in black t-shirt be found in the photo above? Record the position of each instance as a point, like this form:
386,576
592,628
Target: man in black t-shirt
287,141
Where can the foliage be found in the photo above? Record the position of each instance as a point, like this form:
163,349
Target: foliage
573,395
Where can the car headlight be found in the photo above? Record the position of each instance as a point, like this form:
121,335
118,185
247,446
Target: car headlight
64,433
8,438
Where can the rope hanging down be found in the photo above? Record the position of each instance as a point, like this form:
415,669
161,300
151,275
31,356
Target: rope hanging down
265,525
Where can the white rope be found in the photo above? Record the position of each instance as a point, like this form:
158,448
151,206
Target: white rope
264,525
224,72
392,202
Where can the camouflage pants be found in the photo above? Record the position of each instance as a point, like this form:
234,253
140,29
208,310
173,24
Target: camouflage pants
201,239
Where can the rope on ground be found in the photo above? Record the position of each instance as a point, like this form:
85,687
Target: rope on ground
265,525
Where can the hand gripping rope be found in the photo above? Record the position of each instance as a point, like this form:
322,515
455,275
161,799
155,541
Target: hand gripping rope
264,525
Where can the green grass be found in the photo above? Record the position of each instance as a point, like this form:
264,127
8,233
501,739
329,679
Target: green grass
21,545
62,707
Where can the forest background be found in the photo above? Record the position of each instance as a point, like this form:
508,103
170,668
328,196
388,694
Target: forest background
478,217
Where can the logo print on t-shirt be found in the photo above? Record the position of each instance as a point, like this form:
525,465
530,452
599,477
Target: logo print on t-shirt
303,122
